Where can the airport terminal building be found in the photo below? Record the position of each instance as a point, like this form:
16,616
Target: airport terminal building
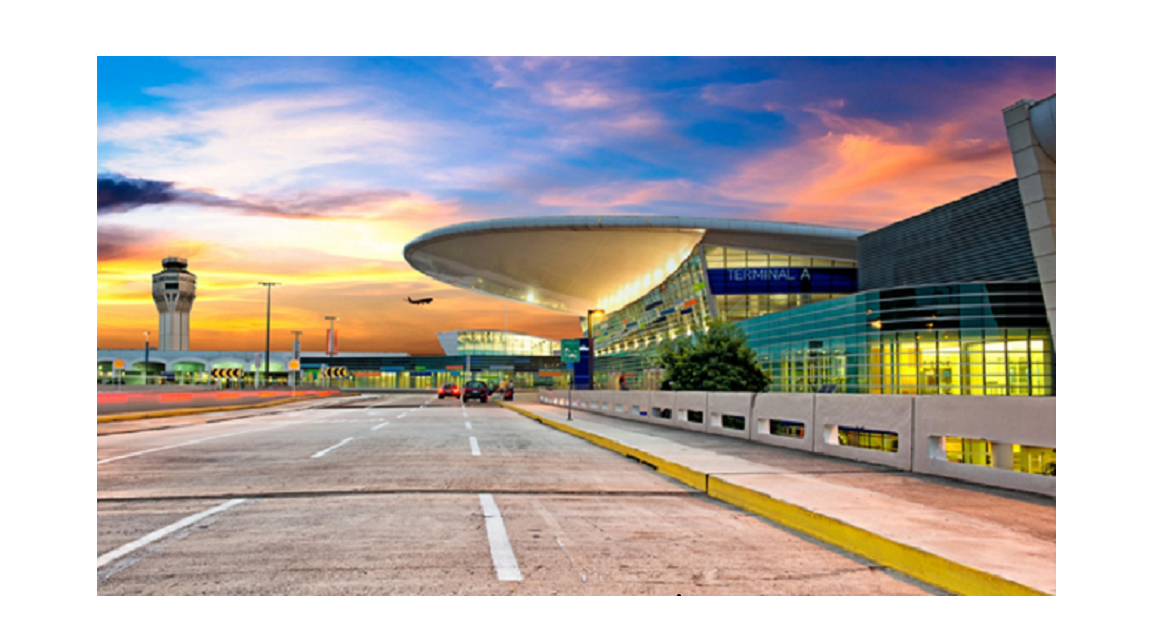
947,302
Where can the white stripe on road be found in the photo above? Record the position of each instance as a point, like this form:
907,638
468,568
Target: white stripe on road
192,442
379,426
467,425
340,444
503,559
403,415
475,446
123,550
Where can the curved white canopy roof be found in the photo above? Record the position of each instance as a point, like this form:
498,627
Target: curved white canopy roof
569,263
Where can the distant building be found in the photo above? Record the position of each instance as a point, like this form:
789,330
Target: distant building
174,289
477,342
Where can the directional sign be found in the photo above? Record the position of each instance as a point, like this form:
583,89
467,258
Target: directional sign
570,350
334,372
227,372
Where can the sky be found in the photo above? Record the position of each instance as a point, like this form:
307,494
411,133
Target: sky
315,172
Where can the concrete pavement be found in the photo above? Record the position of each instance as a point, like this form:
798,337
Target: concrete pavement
960,537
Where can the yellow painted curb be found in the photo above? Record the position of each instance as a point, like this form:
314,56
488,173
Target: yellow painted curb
136,416
921,565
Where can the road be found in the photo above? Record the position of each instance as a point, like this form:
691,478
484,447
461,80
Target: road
406,494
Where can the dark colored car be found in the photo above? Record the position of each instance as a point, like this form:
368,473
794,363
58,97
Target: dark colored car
475,389
449,389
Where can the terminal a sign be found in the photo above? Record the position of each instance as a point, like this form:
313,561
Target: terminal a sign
782,280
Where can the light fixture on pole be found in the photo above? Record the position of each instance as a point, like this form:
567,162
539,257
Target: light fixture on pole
268,330
592,313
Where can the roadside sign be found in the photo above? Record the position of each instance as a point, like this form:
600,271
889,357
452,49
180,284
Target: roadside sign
570,350
118,363
293,365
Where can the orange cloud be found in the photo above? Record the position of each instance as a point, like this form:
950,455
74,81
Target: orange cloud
861,173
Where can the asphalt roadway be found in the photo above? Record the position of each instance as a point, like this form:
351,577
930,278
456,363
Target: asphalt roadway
410,495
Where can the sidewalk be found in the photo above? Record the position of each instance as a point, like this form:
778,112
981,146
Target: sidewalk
961,537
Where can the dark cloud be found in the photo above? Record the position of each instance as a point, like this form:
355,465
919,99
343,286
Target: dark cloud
116,193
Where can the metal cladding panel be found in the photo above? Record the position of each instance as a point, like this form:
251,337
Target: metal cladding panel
981,237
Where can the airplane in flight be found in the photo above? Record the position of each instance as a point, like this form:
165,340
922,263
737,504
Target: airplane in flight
419,301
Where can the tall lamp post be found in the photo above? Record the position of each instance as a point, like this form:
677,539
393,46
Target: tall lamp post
146,348
296,356
330,348
592,313
268,330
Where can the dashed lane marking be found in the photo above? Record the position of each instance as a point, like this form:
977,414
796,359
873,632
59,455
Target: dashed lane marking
325,451
503,558
124,550
192,442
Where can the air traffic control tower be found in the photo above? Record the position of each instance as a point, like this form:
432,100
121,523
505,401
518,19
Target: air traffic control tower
174,289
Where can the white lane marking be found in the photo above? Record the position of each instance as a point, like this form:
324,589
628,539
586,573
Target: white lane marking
192,442
379,426
583,577
340,444
467,425
403,415
123,550
475,446
503,558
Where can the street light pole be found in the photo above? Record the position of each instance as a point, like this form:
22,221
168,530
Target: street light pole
330,348
296,357
268,330
146,347
592,313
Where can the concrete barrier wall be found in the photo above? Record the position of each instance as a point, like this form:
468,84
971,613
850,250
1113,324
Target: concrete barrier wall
875,412
602,401
634,405
1004,421
690,402
737,404
794,408
919,423
661,401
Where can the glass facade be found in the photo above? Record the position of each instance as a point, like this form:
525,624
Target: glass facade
746,284
958,339
676,307
492,342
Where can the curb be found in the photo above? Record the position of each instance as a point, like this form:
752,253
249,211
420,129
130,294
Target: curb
914,562
136,416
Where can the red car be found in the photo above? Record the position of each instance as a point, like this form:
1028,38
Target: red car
449,389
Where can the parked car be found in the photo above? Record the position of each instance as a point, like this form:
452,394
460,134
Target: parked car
475,389
449,389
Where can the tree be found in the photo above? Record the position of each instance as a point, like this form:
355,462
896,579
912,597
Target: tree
718,360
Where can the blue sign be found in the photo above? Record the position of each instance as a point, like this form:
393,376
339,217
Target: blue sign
782,280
